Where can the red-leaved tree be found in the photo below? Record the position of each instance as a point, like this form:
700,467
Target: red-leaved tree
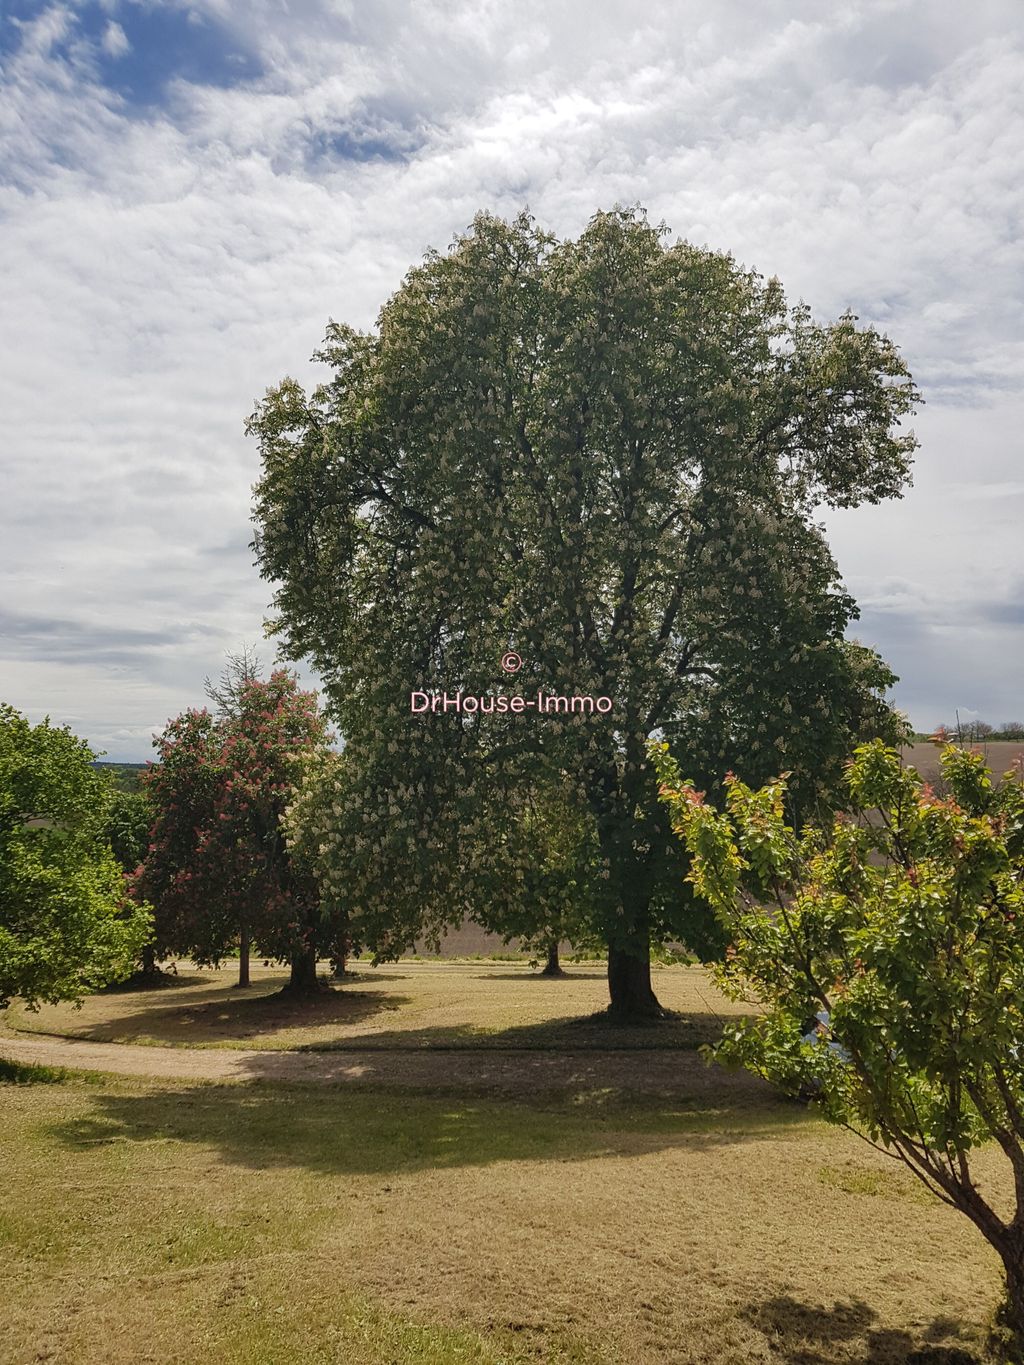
218,869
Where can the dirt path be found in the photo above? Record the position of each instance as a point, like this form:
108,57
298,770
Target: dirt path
677,1075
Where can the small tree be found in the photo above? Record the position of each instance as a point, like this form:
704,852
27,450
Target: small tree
66,923
967,731
974,731
218,865
190,916
560,863
898,929
228,692
308,826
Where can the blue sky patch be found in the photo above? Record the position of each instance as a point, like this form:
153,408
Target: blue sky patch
136,50
356,144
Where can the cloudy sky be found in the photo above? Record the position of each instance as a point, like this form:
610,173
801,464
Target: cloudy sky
188,191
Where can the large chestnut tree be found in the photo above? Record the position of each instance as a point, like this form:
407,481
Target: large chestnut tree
606,454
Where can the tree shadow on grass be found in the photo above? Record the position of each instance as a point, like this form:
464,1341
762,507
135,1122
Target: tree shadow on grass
243,1016
536,1075
805,1334
140,983
355,1131
216,1015
216,979
569,1033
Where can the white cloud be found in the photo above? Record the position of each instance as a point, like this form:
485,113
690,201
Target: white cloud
161,268
115,42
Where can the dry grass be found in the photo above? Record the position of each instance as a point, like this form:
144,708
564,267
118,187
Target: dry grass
401,1005
539,1208
151,1222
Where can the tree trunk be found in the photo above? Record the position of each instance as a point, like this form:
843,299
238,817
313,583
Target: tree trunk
629,985
616,802
1008,1333
339,962
303,976
243,956
553,967
149,960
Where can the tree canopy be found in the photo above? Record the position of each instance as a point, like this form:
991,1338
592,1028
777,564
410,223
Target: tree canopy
67,925
884,957
605,454
218,868
560,860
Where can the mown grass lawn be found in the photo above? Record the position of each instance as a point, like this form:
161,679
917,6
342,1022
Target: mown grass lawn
401,1005
145,1221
